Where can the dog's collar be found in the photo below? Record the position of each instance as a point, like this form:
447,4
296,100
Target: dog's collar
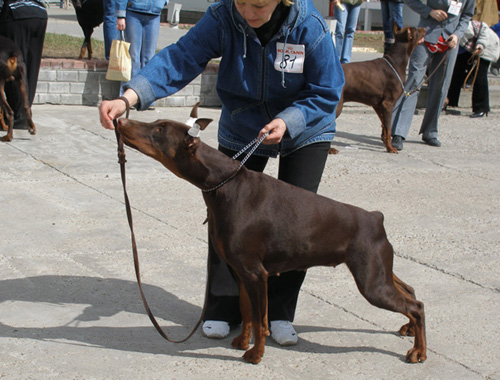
253,145
395,72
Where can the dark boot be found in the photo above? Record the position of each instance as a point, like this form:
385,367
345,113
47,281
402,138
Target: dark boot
387,47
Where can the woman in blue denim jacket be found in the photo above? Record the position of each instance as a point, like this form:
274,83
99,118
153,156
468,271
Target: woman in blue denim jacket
279,73
140,20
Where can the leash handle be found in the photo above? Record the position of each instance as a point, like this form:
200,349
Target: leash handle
122,161
254,144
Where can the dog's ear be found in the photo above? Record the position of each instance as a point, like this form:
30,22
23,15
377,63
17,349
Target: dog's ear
203,123
194,111
395,27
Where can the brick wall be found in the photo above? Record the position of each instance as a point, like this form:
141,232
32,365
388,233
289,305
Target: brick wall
81,82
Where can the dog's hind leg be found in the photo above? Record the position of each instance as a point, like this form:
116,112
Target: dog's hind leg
408,329
372,271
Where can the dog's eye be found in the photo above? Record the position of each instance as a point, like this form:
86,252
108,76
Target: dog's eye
158,130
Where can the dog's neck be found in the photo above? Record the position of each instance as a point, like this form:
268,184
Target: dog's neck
399,56
207,168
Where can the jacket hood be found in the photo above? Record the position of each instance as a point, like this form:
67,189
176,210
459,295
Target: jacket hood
299,10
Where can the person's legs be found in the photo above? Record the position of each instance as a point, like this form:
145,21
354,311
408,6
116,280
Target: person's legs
34,57
404,109
396,12
438,89
387,25
302,168
350,29
149,38
480,92
341,18
457,79
134,35
109,25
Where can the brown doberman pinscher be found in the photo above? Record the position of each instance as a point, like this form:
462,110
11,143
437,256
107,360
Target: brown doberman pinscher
380,82
12,68
262,227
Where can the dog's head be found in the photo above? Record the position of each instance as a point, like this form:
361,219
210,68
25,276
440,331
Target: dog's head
409,35
167,141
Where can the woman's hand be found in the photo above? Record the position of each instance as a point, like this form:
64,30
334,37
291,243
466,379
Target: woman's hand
479,49
276,129
110,110
120,23
438,15
452,41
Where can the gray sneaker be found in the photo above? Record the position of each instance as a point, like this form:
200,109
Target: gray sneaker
397,142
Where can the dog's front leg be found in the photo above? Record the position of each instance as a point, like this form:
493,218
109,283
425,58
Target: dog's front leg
242,341
9,115
253,304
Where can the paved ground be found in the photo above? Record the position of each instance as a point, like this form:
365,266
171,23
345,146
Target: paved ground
69,305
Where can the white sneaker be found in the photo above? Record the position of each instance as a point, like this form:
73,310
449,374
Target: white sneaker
216,329
283,333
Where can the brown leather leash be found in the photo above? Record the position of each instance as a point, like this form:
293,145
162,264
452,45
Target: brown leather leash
122,160
426,80
474,61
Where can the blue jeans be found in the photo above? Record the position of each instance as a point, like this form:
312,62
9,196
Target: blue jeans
344,33
142,32
109,25
391,12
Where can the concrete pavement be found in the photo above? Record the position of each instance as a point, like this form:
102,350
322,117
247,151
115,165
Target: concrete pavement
70,308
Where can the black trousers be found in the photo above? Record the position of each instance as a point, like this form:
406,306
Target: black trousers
29,35
304,169
480,91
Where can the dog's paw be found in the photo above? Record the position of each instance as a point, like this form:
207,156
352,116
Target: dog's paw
333,151
253,356
6,138
392,150
416,355
407,330
240,342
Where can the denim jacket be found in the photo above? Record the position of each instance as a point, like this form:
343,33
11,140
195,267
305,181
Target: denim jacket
252,83
152,7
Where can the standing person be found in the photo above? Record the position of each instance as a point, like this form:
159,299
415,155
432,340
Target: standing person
444,25
24,22
279,74
109,25
478,40
140,19
347,21
392,12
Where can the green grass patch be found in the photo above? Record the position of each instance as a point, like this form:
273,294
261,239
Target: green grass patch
373,40
64,46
